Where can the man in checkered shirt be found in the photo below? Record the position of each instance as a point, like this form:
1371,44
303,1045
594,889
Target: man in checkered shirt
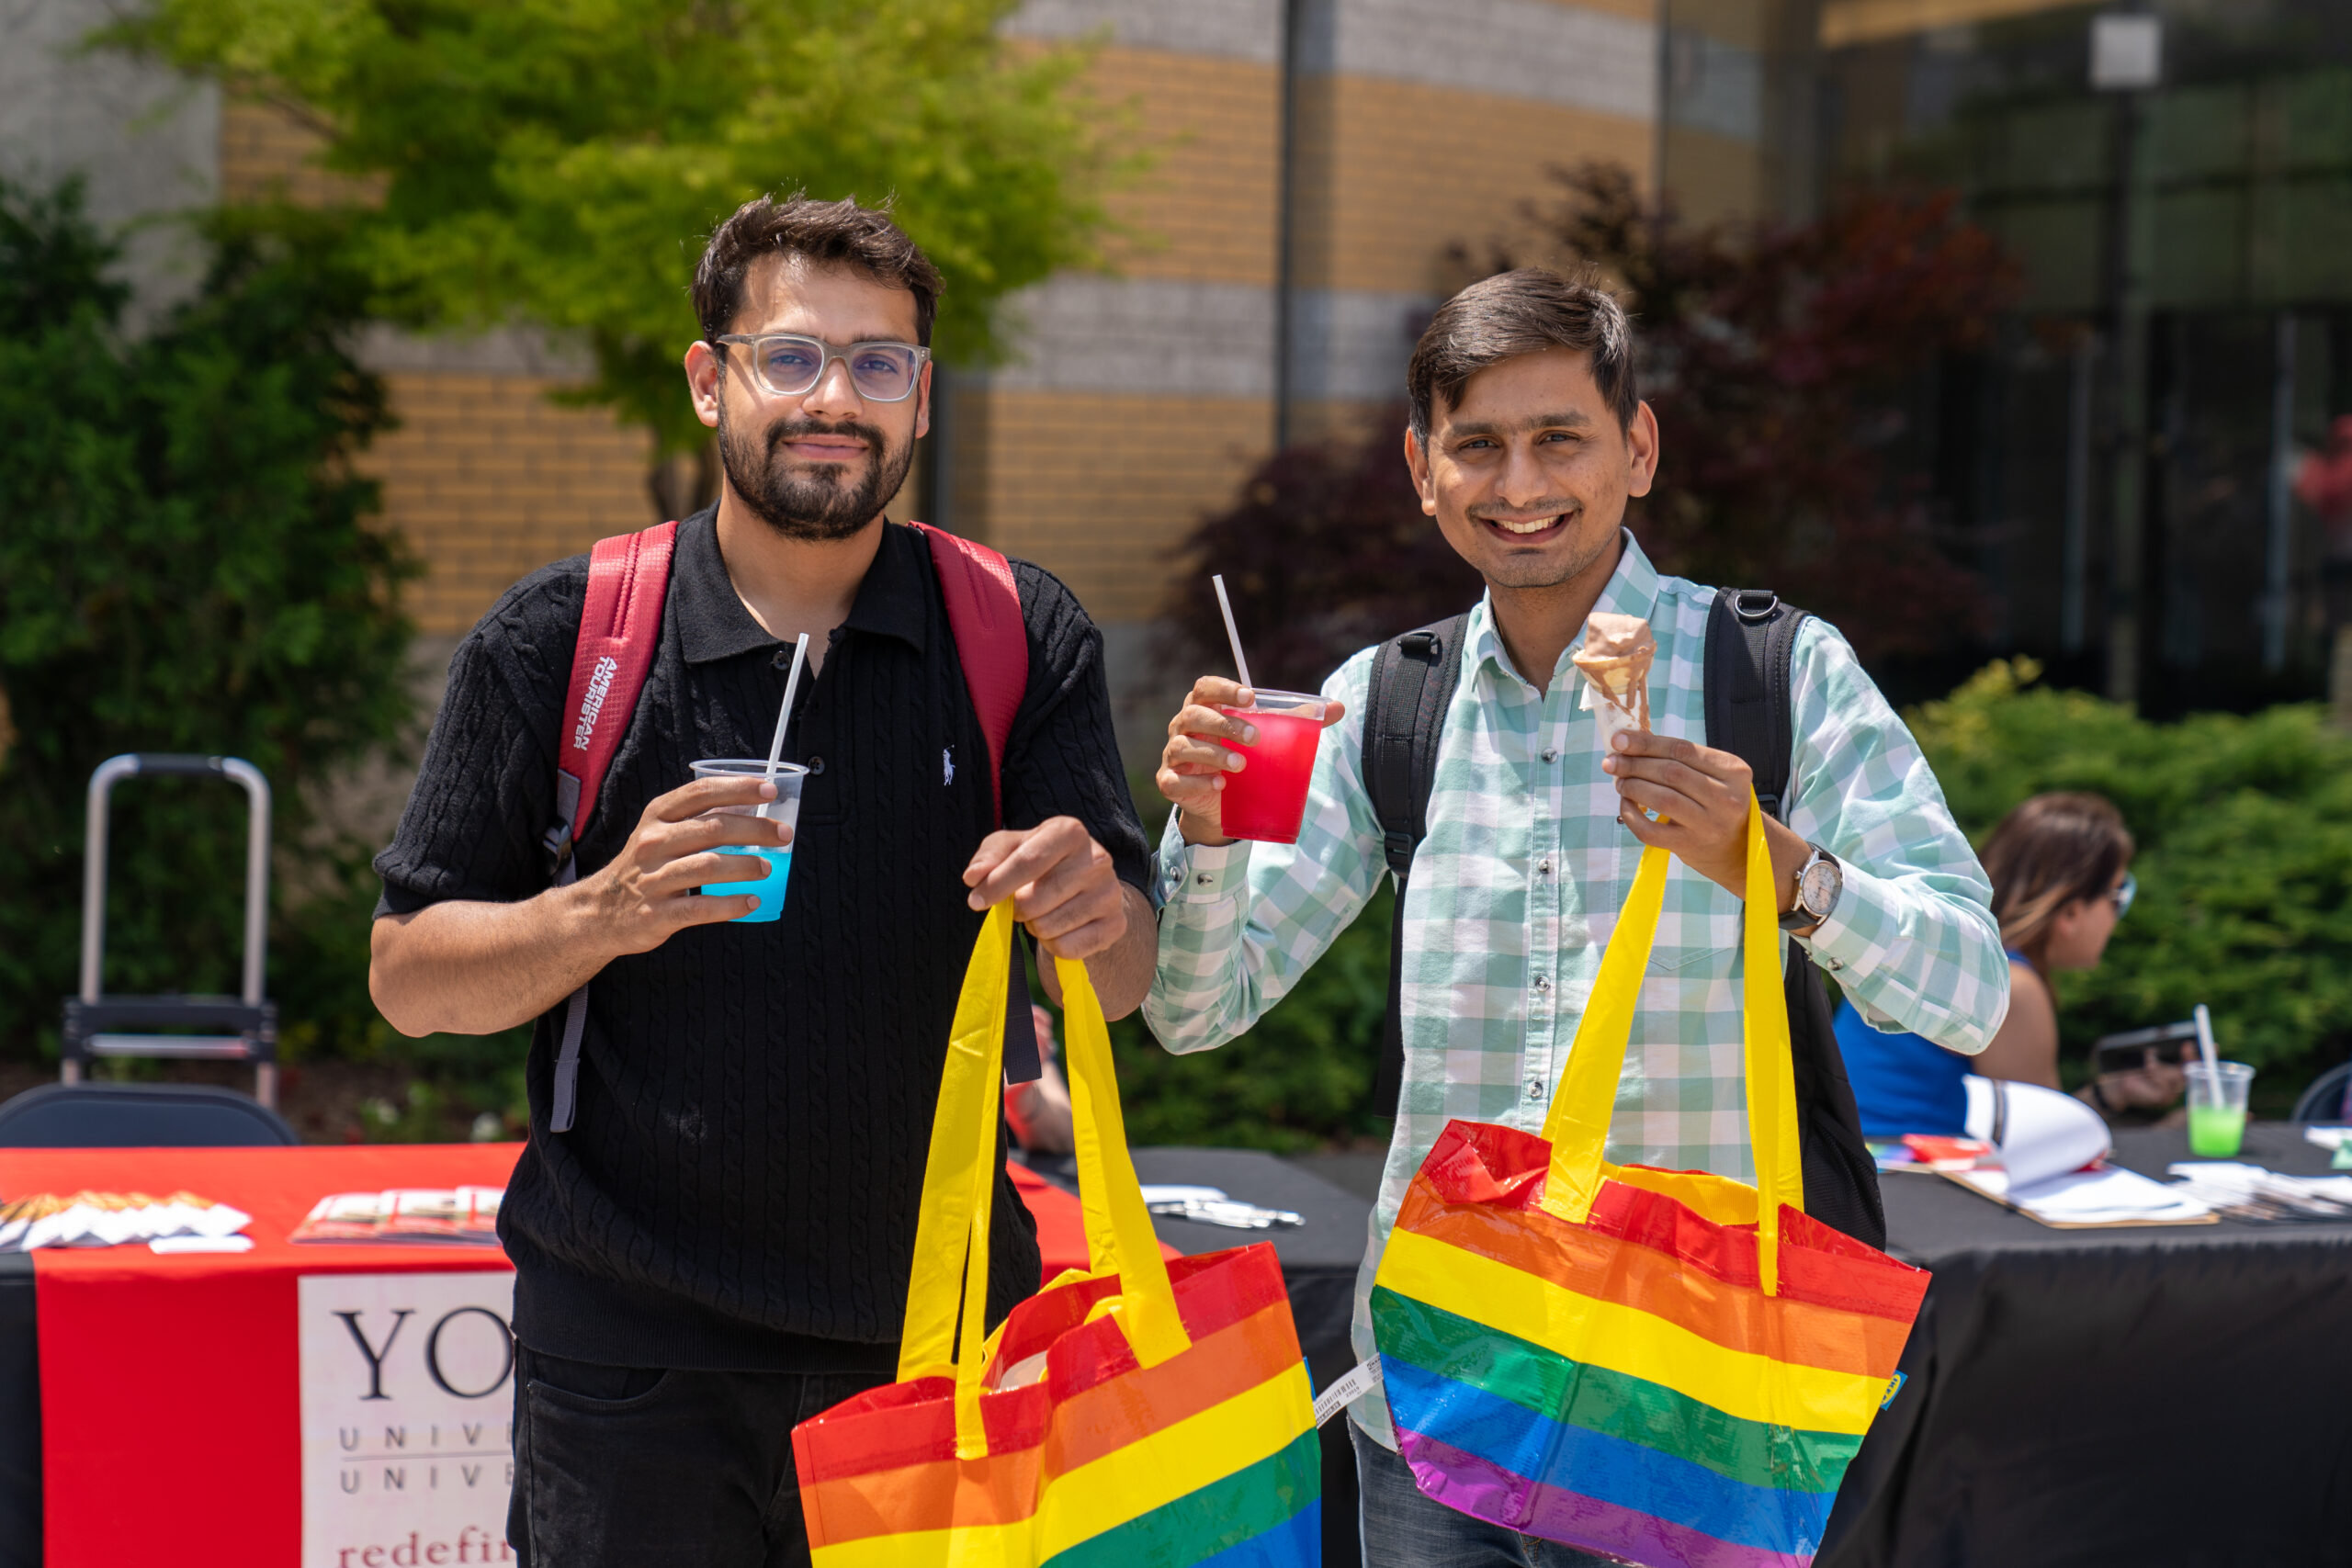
1526,438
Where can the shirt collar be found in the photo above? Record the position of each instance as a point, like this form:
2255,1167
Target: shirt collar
1632,590
892,600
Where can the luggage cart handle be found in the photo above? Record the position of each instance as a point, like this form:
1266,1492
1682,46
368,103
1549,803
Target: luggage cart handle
94,856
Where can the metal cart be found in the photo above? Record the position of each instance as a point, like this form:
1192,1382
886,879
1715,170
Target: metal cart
235,1029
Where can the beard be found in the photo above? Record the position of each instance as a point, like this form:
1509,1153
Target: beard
818,502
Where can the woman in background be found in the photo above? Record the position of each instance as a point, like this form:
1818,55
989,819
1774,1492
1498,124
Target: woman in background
2061,867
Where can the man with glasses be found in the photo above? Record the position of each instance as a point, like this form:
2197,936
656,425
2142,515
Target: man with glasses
717,1246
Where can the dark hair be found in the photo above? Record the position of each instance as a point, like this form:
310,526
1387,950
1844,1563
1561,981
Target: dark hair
2052,851
833,233
1513,314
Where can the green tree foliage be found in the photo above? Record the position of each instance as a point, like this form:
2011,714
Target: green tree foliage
2245,827
1301,1078
556,161
185,564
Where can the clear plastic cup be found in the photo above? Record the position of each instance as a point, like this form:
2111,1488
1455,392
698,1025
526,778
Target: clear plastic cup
2217,1108
1267,799
784,809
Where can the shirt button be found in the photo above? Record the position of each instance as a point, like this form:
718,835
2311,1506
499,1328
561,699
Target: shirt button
1534,1088
1543,982
1543,867
1204,879
1551,753
816,766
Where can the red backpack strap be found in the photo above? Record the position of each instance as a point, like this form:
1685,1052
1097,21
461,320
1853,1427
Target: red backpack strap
620,627
620,630
991,642
992,645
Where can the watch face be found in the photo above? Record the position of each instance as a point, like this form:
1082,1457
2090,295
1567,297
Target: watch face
1818,888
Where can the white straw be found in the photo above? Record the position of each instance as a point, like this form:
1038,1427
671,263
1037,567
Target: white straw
1232,635
2205,1047
784,716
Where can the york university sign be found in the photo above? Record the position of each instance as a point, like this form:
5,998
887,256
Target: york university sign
408,1401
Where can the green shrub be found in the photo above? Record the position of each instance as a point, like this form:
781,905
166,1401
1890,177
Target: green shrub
1301,1078
186,564
2245,827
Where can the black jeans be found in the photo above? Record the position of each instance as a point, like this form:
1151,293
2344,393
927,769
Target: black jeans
641,1467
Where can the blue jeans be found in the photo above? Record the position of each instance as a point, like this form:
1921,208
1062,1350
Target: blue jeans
1403,1529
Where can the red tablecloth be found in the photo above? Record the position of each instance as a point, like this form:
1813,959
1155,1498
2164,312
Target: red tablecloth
170,1385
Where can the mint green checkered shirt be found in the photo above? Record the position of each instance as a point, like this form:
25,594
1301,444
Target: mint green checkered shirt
1517,886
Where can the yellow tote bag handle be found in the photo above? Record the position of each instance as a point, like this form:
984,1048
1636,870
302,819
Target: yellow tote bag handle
1577,1125
951,1260
1118,1227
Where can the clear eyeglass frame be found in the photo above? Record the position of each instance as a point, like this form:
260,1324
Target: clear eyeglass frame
825,354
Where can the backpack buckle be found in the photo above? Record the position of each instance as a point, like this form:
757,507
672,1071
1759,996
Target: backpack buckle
556,847
1397,844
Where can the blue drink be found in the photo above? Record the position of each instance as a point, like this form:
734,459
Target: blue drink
785,808
769,889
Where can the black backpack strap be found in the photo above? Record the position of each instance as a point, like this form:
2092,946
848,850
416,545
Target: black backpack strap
1751,645
1413,677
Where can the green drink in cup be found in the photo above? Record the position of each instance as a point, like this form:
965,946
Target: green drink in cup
2217,1098
785,808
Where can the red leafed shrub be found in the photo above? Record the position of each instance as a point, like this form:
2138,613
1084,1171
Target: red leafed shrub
1778,359
1324,552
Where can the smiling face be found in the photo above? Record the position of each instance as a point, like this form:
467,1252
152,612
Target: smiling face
820,466
1529,472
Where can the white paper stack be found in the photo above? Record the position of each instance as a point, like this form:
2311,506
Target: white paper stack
112,1219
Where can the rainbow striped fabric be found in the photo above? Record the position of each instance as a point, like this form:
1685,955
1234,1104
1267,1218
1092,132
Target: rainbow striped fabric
1667,1368
1209,1458
1624,1385
1145,1414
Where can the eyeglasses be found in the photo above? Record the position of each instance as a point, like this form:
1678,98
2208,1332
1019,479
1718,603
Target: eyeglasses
788,365
2124,894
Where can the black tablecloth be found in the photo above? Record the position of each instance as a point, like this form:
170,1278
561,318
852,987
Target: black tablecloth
2146,1396
20,1414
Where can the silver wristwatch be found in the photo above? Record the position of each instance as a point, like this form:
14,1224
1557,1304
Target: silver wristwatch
1819,881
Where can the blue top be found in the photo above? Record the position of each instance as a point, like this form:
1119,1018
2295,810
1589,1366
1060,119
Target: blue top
1903,1083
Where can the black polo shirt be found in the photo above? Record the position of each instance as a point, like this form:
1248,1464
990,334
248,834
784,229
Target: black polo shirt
739,1187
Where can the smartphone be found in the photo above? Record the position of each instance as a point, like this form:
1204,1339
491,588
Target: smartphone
2136,1048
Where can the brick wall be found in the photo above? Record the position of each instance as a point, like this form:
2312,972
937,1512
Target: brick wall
268,153
489,481
1206,209
1100,489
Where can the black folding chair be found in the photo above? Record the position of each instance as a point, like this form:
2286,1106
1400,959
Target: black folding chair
2325,1101
139,1116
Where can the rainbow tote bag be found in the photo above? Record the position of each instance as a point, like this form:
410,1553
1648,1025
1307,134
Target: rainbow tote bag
1667,1368
1145,1414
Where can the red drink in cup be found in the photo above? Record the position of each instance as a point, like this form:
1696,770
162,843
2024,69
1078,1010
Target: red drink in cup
1267,799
